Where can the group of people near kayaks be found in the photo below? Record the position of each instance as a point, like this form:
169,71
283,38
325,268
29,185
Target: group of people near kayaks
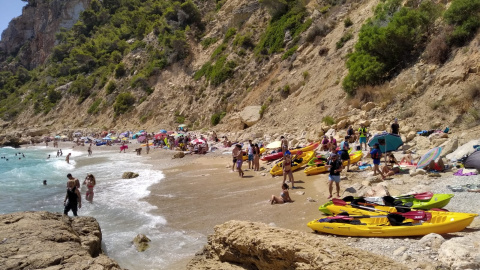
408,215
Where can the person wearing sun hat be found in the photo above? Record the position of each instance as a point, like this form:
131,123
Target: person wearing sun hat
287,168
335,166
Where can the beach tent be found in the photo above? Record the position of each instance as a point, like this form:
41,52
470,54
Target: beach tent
473,161
163,131
388,142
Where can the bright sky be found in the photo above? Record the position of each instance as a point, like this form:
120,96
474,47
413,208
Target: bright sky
9,9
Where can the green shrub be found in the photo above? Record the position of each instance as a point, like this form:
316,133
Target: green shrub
464,15
208,41
180,119
111,86
305,75
216,118
217,73
289,52
328,120
272,40
123,103
95,107
229,34
219,50
388,42
344,40
120,70
347,22
284,91
244,41
263,109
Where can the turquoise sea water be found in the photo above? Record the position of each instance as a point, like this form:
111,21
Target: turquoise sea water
117,205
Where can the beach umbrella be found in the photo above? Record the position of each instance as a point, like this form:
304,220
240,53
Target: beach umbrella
473,161
160,136
198,141
388,142
163,131
141,138
182,125
107,138
274,145
58,137
124,139
170,132
432,154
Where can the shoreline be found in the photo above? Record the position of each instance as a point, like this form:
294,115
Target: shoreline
200,192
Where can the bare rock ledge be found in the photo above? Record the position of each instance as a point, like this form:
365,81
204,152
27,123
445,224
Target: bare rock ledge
44,240
249,245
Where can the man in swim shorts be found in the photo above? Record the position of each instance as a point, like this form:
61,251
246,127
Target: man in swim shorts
335,167
239,160
234,156
250,154
344,155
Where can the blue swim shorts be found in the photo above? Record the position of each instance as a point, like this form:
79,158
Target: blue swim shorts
376,161
362,140
250,157
335,178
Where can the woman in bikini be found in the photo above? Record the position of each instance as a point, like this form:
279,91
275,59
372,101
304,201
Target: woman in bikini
392,166
284,196
256,157
90,182
287,168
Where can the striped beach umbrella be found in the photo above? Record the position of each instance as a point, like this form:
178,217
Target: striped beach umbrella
432,154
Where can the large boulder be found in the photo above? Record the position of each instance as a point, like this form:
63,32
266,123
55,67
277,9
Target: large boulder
141,242
248,245
43,240
368,106
432,240
250,115
178,155
465,149
37,132
449,146
461,252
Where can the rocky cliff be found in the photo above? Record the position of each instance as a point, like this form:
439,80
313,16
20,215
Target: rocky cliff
43,240
248,245
30,37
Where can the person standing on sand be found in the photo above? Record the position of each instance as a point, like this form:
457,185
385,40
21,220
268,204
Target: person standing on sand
147,148
239,160
67,158
376,155
74,199
90,182
335,167
287,168
256,158
250,154
395,128
234,156
284,144
344,155
89,150
284,196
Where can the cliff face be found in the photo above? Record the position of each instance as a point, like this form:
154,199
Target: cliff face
40,240
31,36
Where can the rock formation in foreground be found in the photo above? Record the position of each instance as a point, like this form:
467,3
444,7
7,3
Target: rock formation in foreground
41,240
249,245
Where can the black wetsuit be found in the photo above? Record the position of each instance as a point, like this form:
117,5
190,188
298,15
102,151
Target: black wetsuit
72,202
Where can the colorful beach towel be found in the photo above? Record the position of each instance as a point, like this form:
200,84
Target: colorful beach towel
465,172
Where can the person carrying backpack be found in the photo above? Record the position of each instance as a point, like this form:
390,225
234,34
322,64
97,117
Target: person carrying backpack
376,155
335,166
362,135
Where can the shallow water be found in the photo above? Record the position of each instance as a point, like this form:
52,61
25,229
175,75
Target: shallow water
117,204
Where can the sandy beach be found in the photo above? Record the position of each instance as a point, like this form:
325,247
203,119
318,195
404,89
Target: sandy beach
200,192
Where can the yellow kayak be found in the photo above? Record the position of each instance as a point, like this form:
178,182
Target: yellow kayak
245,157
304,157
440,222
354,158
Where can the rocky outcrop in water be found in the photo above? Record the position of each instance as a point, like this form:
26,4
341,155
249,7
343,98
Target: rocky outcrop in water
248,245
43,240
31,36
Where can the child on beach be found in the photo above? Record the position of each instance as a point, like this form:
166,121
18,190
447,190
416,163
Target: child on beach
284,196
239,158
376,155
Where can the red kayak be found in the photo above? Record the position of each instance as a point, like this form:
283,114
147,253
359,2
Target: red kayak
275,156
